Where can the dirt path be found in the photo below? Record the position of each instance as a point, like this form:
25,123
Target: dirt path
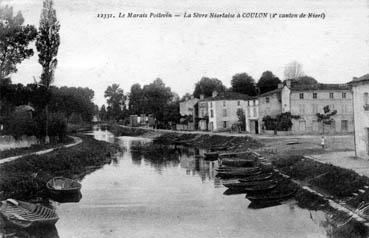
77,141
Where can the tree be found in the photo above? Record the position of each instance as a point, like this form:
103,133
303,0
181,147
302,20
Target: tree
326,117
156,97
116,102
243,83
14,41
268,82
206,86
241,118
103,113
136,99
293,70
47,44
306,80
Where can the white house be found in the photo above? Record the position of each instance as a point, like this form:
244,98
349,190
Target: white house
360,89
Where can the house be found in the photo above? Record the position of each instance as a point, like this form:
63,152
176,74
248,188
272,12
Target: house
187,110
202,114
304,101
222,109
360,89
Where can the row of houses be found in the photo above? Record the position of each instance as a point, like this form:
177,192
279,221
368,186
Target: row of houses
219,112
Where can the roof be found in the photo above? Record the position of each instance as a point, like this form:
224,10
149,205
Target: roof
228,96
278,90
363,78
319,86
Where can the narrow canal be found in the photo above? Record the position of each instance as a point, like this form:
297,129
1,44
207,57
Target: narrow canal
139,197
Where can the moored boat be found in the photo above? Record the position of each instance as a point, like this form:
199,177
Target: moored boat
259,177
62,186
249,184
238,162
211,156
276,196
26,214
232,174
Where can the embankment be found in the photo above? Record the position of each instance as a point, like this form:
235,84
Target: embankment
26,178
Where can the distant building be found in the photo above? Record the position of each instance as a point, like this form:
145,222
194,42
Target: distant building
222,109
252,116
202,115
360,89
188,112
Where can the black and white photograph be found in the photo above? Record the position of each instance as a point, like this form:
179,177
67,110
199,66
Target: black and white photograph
184,119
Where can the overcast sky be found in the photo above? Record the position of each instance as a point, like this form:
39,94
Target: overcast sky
95,53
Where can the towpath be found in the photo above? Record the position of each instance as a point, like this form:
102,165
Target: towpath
77,141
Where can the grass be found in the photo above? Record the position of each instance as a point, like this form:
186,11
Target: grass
33,148
126,131
333,180
17,178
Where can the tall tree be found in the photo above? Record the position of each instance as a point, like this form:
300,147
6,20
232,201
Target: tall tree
306,80
103,113
326,117
47,43
293,70
206,86
267,82
243,83
14,41
116,101
135,104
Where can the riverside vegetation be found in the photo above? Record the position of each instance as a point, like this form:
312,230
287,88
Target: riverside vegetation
25,178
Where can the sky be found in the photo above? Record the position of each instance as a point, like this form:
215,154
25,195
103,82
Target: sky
96,52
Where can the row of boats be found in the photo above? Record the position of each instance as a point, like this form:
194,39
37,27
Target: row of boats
242,172
26,214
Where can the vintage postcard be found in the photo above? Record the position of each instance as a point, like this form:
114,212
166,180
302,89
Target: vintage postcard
185,119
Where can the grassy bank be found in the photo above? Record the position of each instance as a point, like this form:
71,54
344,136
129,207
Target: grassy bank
26,177
208,141
118,130
332,180
33,148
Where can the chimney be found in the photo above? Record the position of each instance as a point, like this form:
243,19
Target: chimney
215,93
280,85
201,96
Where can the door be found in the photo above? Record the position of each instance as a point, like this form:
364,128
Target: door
256,127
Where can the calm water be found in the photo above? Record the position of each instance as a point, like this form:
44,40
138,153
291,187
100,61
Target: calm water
134,197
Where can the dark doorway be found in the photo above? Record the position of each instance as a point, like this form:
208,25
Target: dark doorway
256,127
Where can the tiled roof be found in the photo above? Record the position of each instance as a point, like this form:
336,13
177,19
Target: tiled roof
278,90
318,86
360,79
228,96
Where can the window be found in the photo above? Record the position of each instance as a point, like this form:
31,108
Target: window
211,104
224,112
248,103
331,95
267,99
365,98
253,102
224,103
238,103
224,124
343,95
248,112
255,112
301,95
211,113
344,126
315,95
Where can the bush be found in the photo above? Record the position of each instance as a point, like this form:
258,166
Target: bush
18,125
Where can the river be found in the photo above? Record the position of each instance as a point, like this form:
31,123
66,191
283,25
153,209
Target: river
137,197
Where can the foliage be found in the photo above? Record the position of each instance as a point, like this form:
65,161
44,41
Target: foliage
306,80
47,42
268,82
103,113
116,102
14,41
241,118
326,117
282,122
293,70
243,83
171,113
136,97
206,86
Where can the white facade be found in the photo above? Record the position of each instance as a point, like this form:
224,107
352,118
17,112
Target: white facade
360,89
223,113
252,116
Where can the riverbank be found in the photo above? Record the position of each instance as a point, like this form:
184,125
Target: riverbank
26,178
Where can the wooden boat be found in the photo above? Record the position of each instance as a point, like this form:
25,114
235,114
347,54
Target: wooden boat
259,177
276,196
363,210
261,187
233,192
67,198
211,156
250,184
61,185
238,174
218,148
238,162
233,154
26,214
238,169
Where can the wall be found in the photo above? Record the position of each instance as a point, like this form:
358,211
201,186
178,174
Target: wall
252,114
231,117
187,107
361,120
307,108
286,102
